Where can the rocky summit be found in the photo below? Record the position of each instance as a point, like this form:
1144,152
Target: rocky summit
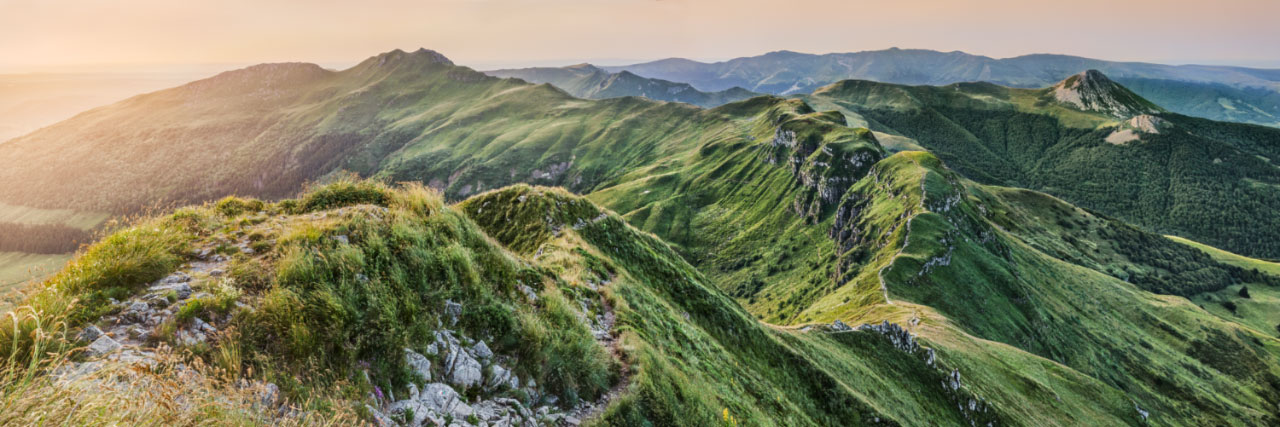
1090,90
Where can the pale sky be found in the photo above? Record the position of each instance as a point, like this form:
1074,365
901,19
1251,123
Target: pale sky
53,35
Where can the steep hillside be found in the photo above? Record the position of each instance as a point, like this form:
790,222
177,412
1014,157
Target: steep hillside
588,81
1098,146
334,303
798,272
927,245
531,305
1212,101
788,73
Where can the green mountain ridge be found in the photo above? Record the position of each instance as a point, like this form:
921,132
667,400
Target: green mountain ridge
591,82
971,302
1171,173
1198,87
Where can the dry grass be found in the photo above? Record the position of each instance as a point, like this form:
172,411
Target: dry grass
42,387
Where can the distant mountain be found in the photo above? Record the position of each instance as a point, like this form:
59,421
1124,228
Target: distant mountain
1235,90
588,81
1094,143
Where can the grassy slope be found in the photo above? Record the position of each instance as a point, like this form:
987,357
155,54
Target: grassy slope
71,218
19,267
1209,180
997,287
861,367
694,356
722,186
1231,258
1261,310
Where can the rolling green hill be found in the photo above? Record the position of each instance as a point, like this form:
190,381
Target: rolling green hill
1211,181
588,81
761,262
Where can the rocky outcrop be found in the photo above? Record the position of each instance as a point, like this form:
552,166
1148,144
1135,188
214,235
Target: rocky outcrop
824,166
974,408
1133,129
1092,91
472,370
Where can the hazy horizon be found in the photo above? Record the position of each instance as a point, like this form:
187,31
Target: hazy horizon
198,69
71,35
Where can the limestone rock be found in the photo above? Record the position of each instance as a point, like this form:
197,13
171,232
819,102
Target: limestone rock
418,363
461,369
481,351
89,334
103,345
452,311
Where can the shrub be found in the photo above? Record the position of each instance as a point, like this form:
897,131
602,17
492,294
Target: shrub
232,206
1244,292
345,191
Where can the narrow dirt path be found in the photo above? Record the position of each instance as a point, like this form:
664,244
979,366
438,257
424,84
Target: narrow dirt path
593,411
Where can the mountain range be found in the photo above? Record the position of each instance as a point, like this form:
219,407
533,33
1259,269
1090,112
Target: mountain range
1216,92
869,253
588,81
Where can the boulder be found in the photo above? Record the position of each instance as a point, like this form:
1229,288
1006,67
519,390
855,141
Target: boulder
103,345
461,369
380,419
443,343
137,312
89,334
452,311
499,377
190,337
481,351
418,363
202,326
268,395
183,290
434,403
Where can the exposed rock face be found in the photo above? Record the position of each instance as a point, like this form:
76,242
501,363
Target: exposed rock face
418,363
825,168
975,409
1147,123
452,311
461,369
434,403
1092,91
1133,129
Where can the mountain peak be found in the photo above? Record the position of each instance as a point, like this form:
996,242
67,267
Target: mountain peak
1090,90
421,55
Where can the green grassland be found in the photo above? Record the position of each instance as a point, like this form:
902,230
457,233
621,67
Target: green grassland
18,267
725,240
1230,258
693,356
27,215
1260,310
995,286
1196,178
691,352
